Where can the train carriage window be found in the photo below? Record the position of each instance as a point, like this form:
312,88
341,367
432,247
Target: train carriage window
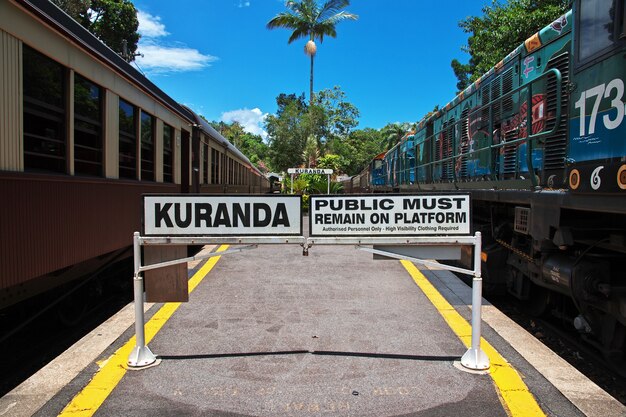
205,164
87,127
147,147
168,151
596,27
224,169
215,167
128,140
45,135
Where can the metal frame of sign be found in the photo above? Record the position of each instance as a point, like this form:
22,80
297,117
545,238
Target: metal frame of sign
473,359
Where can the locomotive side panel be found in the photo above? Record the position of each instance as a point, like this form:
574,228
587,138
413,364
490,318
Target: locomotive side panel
539,143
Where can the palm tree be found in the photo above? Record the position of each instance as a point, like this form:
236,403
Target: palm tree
393,133
311,151
307,19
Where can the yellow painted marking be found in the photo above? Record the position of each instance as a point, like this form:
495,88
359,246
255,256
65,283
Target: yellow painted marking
512,391
87,402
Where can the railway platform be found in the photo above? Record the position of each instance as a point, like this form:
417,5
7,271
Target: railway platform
269,332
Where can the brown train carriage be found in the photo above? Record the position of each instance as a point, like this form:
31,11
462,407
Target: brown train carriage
82,136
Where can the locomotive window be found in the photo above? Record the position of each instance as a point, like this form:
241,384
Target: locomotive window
44,113
596,27
128,140
168,167
147,147
622,28
87,127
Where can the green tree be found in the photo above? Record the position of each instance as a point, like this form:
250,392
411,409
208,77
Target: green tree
462,73
311,152
357,150
249,144
332,161
288,131
114,22
340,116
393,132
501,29
329,119
308,19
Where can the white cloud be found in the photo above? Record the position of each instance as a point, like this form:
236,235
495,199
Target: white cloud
163,59
250,120
243,3
150,26
159,57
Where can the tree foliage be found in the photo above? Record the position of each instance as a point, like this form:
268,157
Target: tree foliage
287,131
358,149
393,132
329,119
501,29
249,144
340,116
112,21
307,19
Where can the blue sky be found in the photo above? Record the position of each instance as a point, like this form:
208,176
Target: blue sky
217,57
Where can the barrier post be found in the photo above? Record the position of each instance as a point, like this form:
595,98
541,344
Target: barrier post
141,356
475,358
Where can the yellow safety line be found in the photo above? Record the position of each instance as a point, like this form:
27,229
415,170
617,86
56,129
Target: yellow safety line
513,393
87,402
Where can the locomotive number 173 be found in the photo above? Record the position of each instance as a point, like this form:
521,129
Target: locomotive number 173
614,90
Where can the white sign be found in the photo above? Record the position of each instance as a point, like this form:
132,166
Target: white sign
390,215
309,171
221,215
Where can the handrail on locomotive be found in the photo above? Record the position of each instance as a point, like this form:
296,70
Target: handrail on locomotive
529,138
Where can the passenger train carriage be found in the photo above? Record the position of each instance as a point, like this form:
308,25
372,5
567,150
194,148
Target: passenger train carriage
540,143
82,135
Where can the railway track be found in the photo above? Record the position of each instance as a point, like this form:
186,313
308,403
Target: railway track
35,332
555,333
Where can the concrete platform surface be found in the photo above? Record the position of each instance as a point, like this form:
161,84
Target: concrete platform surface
271,333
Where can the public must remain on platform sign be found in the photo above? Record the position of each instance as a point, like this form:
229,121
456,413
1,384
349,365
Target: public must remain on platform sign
390,215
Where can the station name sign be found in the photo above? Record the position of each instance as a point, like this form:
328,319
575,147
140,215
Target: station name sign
222,215
390,215
309,171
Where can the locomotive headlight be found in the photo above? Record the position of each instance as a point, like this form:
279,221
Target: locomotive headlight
574,179
621,177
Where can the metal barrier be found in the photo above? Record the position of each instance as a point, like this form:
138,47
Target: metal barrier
474,358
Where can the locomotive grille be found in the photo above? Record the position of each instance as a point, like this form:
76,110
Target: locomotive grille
522,219
448,149
556,144
495,95
464,146
485,96
509,167
507,87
